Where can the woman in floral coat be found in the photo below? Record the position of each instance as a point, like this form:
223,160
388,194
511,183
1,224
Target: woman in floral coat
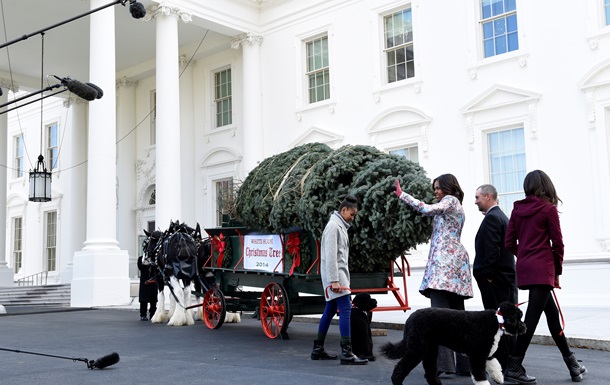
447,278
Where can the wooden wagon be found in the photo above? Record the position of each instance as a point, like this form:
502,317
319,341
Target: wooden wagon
244,262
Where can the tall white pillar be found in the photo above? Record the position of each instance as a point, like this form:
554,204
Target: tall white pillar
6,273
74,215
101,272
187,145
252,120
126,170
168,205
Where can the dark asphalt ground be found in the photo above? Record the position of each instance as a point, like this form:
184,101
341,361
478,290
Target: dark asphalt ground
233,354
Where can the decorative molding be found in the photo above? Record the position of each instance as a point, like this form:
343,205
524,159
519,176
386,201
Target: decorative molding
246,38
522,61
473,73
125,82
605,244
9,85
424,139
590,104
144,169
417,87
73,99
470,128
182,62
593,43
532,109
167,10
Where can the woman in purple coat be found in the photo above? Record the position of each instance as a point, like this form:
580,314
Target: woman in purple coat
534,236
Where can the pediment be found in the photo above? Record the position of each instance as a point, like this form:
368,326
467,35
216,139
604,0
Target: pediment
598,76
400,117
220,156
499,96
318,135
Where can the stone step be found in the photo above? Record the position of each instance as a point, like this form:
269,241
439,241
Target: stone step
48,295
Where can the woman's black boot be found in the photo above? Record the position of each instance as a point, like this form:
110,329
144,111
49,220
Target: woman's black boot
349,358
515,372
577,371
318,352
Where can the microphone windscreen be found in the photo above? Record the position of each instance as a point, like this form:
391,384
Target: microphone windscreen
106,361
100,92
137,10
80,89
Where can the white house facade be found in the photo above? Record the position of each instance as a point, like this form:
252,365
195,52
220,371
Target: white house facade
487,90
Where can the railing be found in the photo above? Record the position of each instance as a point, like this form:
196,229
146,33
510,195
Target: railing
38,279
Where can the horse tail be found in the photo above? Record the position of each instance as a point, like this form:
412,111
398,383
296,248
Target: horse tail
393,351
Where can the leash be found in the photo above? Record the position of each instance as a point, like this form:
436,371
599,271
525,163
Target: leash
340,287
563,322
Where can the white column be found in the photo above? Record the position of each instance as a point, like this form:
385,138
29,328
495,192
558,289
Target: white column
74,213
168,180
126,170
6,273
187,131
101,272
252,120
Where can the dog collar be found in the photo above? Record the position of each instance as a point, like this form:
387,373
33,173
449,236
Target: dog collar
500,319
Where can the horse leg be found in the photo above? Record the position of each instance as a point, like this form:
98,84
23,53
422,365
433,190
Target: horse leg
179,316
190,320
159,316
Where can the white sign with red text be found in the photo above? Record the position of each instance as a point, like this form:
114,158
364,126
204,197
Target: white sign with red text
263,252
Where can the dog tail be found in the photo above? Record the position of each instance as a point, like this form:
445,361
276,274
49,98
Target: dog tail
393,351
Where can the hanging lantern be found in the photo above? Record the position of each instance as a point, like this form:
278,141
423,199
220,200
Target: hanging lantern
40,182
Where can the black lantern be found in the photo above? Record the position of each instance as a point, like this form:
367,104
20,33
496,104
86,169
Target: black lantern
40,182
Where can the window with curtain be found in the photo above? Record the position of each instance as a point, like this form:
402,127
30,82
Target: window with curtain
223,97
224,200
410,153
398,33
318,69
18,162
507,168
17,243
499,27
52,146
51,241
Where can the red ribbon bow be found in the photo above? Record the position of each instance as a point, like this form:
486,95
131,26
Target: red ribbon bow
219,244
293,243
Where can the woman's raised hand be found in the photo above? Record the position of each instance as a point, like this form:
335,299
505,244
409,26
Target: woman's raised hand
398,190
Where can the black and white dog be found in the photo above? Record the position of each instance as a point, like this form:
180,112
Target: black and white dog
474,333
360,324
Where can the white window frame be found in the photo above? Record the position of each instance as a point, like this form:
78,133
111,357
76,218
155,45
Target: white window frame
302,86
597,25
492,19
50,242
215,100
18,160
314,72
412,148
220,211
395,48
505,198
476,55
17,243
52,161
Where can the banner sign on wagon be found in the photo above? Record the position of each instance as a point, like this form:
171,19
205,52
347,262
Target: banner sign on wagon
263,252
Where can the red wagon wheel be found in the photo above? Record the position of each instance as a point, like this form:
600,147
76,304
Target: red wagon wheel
214,308
274,310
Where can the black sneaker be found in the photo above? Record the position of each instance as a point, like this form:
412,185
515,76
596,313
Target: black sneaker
143,319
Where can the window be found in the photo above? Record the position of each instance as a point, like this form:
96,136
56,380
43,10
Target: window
18,162
152,199
223,97
52,146
153,117
51,241
224,200
318,69
607,11
507,167
398,30
410,153
499,23
17,238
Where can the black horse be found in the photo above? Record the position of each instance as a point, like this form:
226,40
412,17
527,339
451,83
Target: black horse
176,256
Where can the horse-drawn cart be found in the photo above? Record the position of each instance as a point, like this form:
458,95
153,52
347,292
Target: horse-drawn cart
242,261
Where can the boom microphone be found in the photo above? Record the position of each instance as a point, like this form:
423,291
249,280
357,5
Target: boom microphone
104,362
136,9
79,89
100,92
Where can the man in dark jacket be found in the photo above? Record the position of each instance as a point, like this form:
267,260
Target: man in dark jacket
148,290
494,266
